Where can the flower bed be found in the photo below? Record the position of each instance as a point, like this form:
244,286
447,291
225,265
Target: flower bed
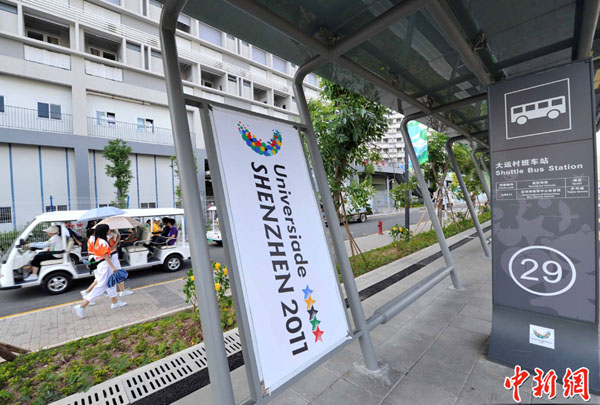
405,244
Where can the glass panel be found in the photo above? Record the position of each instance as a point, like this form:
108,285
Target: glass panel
8,8
52,40
100,117
260,56
140,124
1,103
43,110
279,64
55,112
209,34
134,47
35,35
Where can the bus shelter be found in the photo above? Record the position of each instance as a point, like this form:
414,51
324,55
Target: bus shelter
431,60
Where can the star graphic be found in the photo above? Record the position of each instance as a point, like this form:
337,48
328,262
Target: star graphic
318,334
312,312
315,323
307,292
309,302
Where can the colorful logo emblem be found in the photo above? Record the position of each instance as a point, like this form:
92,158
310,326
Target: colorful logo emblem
269,148
540,336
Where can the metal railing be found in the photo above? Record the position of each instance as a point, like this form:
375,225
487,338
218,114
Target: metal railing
126,131
26,118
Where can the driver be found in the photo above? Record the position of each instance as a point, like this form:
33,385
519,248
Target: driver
54,244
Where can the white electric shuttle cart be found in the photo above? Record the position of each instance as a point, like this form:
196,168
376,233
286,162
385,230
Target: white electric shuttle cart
56,276
214,233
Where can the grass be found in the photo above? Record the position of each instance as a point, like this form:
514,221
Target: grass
48,375
376,258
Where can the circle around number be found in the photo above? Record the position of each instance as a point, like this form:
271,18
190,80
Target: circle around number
558,252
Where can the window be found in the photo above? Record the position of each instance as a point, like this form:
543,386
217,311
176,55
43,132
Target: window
279,64
5,212
530,107
106,118
133,47
115,2
46,110
209,34
156,3
148,205
55,113
9,8
1,104
40,36
103,54
50,208
260,56
557,101
145,124
184,23
543,104
156,54
43,110
518,110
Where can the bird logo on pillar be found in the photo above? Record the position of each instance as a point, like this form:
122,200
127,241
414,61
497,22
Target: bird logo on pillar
259,146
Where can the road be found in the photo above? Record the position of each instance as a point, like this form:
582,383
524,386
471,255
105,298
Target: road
28,299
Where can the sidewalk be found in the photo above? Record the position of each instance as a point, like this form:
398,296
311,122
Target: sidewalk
56,325
434,351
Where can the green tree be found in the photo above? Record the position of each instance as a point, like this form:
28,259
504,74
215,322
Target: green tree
462,153
178,194
436,168
398,193
346,124
117,153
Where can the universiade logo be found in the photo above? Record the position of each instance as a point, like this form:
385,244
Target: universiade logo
540,336
258,145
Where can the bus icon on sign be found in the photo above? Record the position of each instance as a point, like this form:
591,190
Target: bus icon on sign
549,108
538,110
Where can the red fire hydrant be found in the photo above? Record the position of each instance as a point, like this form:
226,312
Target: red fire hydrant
380,226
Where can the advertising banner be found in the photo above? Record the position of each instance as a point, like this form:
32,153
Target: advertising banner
292,297
544,222
418,136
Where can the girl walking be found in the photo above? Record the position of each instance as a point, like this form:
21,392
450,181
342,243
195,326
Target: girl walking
105,268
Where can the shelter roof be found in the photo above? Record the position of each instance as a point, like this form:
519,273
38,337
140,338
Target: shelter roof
421,60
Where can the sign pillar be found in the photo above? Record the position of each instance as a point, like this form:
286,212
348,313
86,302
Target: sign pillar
545,228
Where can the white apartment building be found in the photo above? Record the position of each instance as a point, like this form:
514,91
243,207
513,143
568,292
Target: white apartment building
75,73
391,146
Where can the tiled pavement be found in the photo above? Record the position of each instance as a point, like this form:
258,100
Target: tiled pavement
435,350
56,325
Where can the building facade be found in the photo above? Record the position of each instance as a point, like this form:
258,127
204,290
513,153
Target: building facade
391,146
75,74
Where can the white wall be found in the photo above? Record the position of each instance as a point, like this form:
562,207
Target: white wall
26,93
8,21
147,185
5,196
26,182
128,111
54,173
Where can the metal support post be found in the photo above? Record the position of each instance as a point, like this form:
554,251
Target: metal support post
408,191
218,367
439,232
486,186
484,165
465,192
358,314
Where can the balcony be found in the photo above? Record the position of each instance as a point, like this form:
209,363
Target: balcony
106,128
34,120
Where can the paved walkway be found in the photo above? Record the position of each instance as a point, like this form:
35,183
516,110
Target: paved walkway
435,350
56,325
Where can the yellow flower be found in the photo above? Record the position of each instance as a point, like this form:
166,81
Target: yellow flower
217,286
225,271
217,266
192,278
394,229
